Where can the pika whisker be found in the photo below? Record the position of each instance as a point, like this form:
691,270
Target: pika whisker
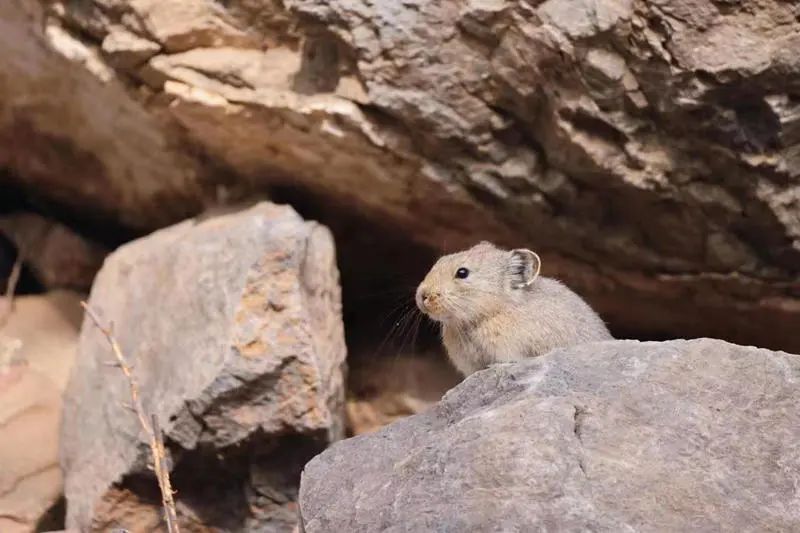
493,306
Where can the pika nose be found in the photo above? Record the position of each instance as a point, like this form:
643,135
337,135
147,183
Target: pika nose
424,297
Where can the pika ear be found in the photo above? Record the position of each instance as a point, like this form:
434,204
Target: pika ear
524,266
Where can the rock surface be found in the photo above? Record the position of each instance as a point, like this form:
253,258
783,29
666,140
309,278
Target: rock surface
616,436
46,329
57,256
386,389
650,150
37,349
30,478
234,326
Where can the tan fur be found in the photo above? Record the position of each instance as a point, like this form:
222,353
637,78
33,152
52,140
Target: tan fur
503,311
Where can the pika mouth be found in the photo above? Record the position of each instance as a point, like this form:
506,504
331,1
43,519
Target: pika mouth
432,311
424,309
429,303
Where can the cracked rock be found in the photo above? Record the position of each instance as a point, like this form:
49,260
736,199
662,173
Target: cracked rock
413,114
126,49
233,325
614,436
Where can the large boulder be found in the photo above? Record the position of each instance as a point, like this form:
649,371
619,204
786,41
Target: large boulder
616,436
233,326
649,150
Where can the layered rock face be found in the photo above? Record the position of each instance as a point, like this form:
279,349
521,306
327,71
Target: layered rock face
648,149
233,326
615,436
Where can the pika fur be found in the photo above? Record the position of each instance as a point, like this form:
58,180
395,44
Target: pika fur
494,307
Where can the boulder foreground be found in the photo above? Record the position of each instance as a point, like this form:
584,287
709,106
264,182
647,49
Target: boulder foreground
617,436
233,326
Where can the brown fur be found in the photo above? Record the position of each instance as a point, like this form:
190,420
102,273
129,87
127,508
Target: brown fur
503,311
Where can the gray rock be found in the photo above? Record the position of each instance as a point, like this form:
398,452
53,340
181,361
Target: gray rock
616,436
234,327
448,121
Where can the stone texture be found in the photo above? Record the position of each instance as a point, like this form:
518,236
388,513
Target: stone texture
649,150
386,389
37,349
30,480
58,257
126,49
46,328
615,436
233,322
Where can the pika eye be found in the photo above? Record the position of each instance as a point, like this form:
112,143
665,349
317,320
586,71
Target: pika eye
462,273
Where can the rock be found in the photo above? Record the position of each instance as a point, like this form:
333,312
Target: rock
58,257
30,480
615,436
448,121
126,49
37,348
46,329
233,324
387,389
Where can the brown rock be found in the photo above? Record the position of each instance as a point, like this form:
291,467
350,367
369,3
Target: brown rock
234,326
389,388
126,49
448,120
58,257
37,348
30,479
46,329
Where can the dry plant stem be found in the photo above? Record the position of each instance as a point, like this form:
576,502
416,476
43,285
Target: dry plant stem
150,426
11,288
162,473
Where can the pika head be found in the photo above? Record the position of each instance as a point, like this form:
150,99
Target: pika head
470,285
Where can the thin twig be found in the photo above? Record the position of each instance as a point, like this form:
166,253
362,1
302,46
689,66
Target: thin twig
11,287
150,427
162,473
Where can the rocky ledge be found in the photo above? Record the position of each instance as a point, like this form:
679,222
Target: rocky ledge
617,436
649,150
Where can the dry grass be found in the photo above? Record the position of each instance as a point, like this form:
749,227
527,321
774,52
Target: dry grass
149,424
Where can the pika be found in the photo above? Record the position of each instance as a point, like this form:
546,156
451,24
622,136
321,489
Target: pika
494,307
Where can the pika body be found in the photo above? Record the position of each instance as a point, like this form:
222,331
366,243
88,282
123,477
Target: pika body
493,307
